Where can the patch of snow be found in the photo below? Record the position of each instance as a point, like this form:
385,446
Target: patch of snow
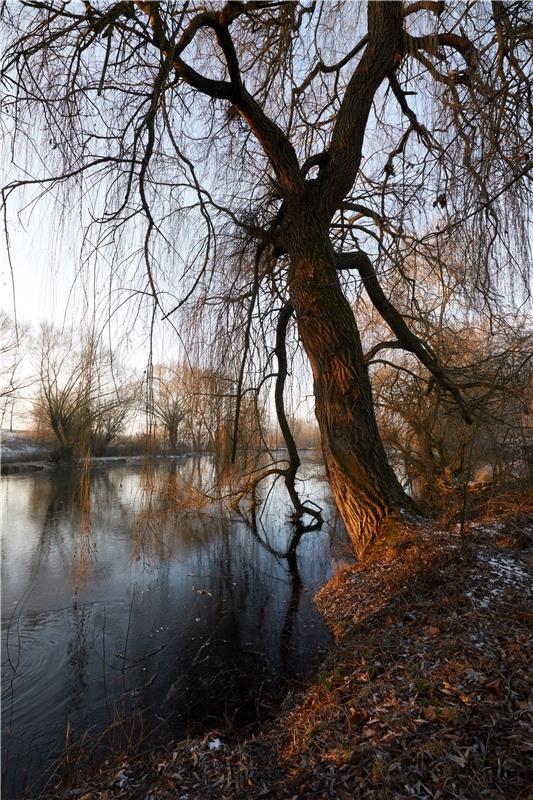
215,744
496,574
484,527
19,446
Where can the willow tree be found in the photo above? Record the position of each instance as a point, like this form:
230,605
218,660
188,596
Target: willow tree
329,141
84,398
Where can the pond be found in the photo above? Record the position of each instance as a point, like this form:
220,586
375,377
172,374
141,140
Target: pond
127,616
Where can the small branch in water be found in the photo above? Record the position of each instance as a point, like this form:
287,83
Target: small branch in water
126,642
294,462
135,661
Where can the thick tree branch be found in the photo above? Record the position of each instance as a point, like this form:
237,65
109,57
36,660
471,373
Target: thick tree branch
289,473
281,354
409,341
435,6
432,44
274,142
381,56
461,44
393,344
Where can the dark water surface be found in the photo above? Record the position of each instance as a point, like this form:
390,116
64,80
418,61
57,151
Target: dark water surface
119,610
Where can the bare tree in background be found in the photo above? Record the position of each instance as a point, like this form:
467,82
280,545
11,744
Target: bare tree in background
81,399
211,399
169,402
14,341
282,157
427,437
424,431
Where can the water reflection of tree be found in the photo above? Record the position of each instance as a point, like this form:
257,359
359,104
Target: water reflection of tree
243,643
64,503
78,656
173,501
290,556
53,499
50,500
71,507
106,494
243,585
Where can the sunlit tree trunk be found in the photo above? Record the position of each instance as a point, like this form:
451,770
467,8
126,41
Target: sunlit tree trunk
362,481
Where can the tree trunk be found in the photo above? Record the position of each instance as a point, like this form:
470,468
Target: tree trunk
173,439
363,483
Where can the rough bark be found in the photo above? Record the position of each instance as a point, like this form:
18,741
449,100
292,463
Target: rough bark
362,481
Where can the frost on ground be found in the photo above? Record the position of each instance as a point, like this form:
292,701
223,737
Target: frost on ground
496,573
19,446
495,576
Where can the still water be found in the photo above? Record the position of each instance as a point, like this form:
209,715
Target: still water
123,611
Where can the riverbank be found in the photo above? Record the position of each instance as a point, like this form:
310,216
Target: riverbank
25,467
426,694
22,453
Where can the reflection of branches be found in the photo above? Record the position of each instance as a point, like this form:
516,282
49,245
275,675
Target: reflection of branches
290,471
290,556
77,650
290,553
46,499
292,611
171,491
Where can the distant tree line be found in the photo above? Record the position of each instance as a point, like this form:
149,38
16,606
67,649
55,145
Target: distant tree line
80,394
